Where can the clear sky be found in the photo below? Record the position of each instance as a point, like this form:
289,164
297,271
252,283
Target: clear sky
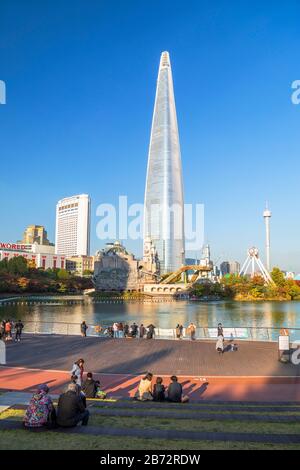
81,78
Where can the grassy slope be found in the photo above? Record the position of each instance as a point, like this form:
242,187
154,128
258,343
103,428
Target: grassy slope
22,439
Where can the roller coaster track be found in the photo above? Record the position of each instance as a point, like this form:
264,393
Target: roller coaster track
193,267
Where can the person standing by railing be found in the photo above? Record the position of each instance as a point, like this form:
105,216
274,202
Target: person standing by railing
8,328
179,331
121,330
115,328
151,331
18,329
83,329
191,330
142,331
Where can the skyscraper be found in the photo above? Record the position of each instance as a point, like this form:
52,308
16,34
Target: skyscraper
72,236
164,207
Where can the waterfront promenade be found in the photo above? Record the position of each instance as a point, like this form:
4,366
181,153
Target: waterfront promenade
251,373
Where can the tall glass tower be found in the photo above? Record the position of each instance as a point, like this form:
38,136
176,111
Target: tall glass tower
164,207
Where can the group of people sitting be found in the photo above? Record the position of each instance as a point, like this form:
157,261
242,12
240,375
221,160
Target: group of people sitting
158,392
71,408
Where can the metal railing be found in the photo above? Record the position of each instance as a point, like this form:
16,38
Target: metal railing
206,332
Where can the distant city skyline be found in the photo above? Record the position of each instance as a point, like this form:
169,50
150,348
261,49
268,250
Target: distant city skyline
79,102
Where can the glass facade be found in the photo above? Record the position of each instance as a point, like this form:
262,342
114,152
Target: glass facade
164,208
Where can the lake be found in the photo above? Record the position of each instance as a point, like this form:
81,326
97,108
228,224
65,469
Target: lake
164,314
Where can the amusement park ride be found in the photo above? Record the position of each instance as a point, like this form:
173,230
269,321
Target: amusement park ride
197,271
255,265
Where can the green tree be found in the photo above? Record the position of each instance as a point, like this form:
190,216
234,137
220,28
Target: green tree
3,266
293,289
62,274
278,277
17,265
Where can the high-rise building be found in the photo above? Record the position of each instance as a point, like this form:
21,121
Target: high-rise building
234,267
225,268
164,207
72,236
230,267
35,234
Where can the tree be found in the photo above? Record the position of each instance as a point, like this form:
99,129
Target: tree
23,283
62,274
88,272
278,277
293,289
3,266
17,265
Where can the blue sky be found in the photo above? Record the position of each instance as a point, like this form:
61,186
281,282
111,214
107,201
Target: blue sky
81,79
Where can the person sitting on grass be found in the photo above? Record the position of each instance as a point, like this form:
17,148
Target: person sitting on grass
144,391
74,380
40,411
99,393
70,409
175,392
89,386
159,390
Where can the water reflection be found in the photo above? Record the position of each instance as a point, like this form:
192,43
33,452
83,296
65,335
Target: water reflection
165,315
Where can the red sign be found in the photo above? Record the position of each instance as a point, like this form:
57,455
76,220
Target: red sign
13,246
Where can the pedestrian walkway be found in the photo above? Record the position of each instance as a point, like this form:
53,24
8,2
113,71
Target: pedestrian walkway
253,373
277,389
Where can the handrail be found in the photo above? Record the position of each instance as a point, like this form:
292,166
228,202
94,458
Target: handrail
247,333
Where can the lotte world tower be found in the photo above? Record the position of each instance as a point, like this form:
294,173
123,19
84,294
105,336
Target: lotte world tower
164,206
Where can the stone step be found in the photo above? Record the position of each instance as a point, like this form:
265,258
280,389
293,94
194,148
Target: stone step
164,434
191,407
195,415
201,402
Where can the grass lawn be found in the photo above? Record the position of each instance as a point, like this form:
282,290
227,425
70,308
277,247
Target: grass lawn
23,439
191,412
195,425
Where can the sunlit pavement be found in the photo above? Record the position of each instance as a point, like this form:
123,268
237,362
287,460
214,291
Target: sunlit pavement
253,373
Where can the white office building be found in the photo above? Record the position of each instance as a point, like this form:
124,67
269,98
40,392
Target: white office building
72,237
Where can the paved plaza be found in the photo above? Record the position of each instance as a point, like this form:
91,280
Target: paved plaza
253,372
